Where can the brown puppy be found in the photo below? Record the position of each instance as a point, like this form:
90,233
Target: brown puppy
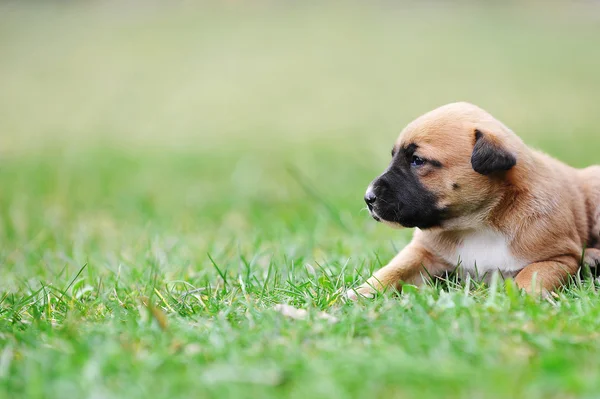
481,199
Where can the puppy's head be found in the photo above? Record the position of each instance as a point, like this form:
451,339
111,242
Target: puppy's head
449,164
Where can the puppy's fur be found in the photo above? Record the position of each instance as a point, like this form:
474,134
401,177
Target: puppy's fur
482,200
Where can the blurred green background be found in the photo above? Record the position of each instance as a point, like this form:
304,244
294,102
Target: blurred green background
139,136
119,117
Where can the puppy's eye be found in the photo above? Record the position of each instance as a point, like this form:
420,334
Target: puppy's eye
416,161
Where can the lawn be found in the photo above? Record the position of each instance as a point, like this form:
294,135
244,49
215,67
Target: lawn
168,175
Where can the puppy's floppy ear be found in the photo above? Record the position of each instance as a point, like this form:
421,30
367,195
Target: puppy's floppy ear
489,156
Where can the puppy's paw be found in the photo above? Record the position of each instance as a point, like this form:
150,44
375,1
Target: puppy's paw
592,257
364,291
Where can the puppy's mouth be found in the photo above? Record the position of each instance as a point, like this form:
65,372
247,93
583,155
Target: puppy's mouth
391,216
389,223
373,213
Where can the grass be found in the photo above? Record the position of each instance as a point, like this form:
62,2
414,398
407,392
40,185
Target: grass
169,175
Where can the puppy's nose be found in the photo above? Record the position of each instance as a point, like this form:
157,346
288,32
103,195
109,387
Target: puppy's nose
370,197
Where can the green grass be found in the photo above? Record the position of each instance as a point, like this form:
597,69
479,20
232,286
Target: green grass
169,175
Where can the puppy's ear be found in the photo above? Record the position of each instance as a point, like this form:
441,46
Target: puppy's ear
489,156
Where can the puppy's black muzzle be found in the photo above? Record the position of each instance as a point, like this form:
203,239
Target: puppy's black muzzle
398,196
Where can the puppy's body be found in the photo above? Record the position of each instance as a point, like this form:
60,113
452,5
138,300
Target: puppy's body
481,199
590,185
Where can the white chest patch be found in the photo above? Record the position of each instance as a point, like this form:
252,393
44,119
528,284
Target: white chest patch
483,252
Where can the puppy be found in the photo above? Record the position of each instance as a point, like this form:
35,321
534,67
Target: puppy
480,199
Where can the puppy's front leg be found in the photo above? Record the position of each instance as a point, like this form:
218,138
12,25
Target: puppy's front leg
543,277
409,266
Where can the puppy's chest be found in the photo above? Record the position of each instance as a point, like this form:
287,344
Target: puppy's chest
483,252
